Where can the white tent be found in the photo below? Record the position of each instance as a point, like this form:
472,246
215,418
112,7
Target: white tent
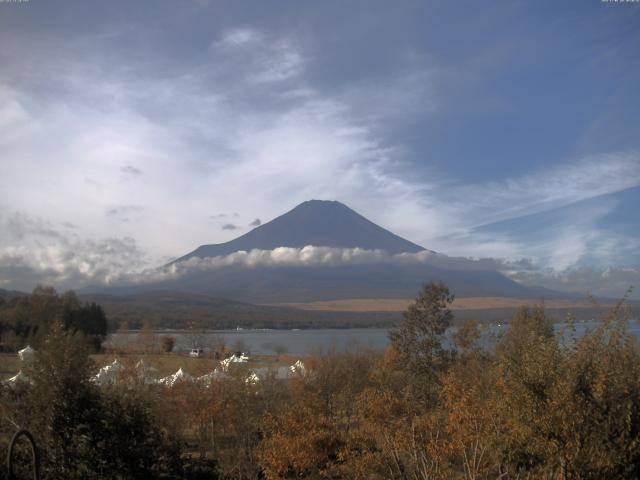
108,374
208,378
278,373
147,373
20,377
26,353
143,366
298,368
252,378
242,358
115,365
178,377
103,377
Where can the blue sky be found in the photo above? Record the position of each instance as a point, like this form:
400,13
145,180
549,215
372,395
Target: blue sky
132,132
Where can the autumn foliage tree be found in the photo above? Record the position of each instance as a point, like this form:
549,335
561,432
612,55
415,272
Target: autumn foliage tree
167,343
418,341
440,402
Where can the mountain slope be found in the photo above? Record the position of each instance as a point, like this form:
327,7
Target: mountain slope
315,222
327,224
304,284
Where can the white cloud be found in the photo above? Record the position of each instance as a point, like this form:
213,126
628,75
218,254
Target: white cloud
33,250
567,237
282,62
239,37
245,130
569,182
14,117
258,57
608,282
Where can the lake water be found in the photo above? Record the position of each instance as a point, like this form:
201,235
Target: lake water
299,342
268,342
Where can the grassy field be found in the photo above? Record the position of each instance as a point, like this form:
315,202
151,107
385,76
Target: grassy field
460,303
165,363
9,365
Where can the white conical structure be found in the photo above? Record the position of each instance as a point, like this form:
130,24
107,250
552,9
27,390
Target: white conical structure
108,374
26,353
146,373
103,377
242,358
252,378
116,365
298,368
178,377
20,377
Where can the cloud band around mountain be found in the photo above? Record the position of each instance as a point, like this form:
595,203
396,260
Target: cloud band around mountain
607,282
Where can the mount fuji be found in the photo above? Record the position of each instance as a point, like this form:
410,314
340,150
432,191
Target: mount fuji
332,225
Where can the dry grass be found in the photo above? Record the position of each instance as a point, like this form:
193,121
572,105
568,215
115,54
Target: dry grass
400,304
165,363
9,365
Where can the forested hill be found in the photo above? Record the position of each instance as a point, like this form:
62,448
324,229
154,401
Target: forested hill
9,294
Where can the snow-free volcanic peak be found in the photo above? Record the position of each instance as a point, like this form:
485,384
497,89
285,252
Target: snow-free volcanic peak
320,223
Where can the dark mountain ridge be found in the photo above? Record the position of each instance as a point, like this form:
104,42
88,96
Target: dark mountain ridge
268,284
315,222
328,224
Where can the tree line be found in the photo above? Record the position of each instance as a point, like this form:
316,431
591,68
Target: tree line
28,319
538,404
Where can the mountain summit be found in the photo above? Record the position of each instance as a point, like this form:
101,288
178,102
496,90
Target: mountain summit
319,223
327,224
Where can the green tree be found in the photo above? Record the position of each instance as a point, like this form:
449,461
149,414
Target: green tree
62,404
129,442
418,340
595,407
89,319
30,318
82,431
528,364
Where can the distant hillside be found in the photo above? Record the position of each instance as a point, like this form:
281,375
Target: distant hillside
318,223
175,310
168,309
268,285
9,294
179,310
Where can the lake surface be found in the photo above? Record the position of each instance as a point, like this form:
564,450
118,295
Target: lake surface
300,342
268,342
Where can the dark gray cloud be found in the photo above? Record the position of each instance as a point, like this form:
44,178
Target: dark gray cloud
131,170
230,226
22,227
124,213
255,223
